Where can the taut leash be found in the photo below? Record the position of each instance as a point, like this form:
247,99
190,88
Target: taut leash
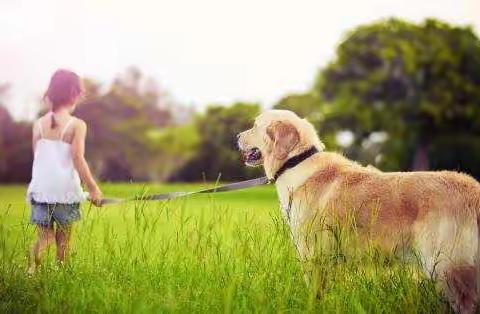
290,163
171,195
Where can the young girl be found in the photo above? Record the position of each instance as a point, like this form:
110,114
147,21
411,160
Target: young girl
55,191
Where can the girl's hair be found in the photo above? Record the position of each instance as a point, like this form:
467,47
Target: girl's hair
64,88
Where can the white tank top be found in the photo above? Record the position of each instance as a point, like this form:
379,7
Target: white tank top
54,178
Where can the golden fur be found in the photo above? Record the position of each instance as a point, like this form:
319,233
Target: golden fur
436,213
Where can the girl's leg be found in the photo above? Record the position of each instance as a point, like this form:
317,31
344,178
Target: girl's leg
45,237
62,238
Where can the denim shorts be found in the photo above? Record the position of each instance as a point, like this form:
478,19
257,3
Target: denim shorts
45,214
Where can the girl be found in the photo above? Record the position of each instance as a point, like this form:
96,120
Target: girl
55,191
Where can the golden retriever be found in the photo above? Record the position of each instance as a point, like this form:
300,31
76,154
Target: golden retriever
435,213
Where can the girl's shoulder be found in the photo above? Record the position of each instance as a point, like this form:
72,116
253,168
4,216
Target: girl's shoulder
41,118
38,123
78,124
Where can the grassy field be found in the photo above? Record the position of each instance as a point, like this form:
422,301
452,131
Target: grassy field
228,252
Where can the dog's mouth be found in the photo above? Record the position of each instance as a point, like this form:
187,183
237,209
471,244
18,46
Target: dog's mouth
252,156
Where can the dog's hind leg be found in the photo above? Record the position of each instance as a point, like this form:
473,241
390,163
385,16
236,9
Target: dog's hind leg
461,288
448,251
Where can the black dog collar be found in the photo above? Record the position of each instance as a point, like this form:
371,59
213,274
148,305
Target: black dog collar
292,162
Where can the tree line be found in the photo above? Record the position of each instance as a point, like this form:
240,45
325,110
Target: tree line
407,95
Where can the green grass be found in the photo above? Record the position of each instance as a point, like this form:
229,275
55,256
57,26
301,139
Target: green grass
227,252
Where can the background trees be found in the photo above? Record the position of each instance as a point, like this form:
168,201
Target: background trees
418,83
119,147
216,155
15,146
398,95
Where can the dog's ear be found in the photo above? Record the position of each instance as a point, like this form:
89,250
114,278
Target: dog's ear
284,136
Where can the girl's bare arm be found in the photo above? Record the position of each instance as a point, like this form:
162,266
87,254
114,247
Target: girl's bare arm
81,165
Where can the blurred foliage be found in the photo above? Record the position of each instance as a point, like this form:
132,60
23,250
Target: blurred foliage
178,145
119,121
305,105
313,108
15,149
408,94
118,147
418,83
217,156
133,136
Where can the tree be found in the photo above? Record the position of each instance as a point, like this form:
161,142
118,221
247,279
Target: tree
15,144
217,155
118,145
419,83
178,145
15,149
5,123
127,135
304,105
312,107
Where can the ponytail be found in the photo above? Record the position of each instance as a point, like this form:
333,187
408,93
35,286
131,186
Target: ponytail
53,123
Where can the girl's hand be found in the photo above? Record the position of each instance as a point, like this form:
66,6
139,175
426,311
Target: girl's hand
96,197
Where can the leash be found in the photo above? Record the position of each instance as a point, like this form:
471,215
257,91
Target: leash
171,195
290,163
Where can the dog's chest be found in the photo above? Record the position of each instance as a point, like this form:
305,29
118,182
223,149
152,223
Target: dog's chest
293,208
299,202
284,196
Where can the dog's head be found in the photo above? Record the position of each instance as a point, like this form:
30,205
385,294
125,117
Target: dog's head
276,136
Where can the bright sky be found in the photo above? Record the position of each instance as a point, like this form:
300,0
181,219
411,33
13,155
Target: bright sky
208,51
